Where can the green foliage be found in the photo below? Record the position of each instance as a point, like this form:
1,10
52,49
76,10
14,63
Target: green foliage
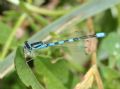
58,68
111,77
4,32
113,48
54,75
24,72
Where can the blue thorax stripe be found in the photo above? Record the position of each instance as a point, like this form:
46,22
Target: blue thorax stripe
37,45
40,46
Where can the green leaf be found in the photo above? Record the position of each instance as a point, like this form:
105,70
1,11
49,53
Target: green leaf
114,84
108,73
118,63
113,39
24,72
100,21
51,73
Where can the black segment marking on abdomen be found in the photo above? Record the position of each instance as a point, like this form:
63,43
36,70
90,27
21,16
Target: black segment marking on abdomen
57,43
76,39
66,40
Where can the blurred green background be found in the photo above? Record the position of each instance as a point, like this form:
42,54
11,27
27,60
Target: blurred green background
55,67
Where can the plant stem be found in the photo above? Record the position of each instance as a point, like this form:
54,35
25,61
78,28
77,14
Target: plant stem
44,11
40,10
9,41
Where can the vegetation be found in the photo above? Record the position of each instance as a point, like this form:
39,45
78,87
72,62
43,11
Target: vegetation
91,63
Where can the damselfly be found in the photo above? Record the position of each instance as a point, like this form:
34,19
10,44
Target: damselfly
29,47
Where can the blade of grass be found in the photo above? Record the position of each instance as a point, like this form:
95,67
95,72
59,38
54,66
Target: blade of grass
8,42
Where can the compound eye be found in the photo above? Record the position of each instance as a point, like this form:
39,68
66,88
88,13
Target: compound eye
27,45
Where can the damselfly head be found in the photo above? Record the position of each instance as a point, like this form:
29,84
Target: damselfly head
27,49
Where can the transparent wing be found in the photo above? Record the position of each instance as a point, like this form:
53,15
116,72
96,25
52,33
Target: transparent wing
76,51
66,35
69,33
